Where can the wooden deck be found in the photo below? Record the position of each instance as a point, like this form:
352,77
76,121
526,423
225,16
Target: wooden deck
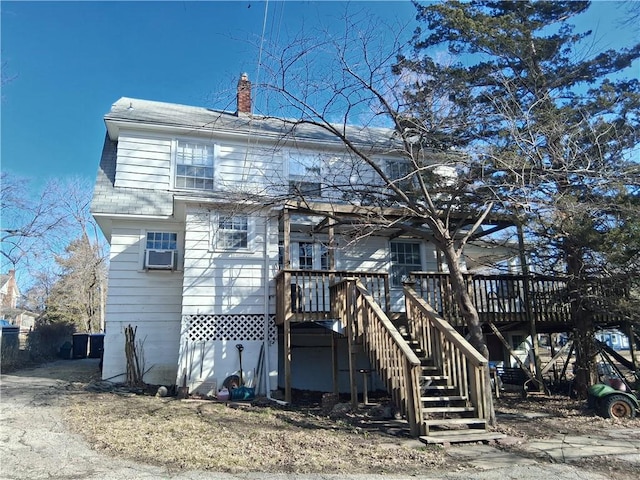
504,300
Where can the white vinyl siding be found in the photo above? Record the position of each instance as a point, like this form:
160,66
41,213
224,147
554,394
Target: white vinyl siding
143,162
152,302
225,282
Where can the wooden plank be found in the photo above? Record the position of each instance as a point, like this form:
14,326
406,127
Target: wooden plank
475,437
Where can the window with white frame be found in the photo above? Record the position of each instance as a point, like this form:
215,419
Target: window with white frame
305,175
161,250
194,166
232,232
399,172
405,258
313,256
162,241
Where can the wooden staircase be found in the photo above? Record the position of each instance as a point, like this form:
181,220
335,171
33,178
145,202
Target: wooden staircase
448,416
436,378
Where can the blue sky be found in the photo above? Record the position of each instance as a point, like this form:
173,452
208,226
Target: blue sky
69,61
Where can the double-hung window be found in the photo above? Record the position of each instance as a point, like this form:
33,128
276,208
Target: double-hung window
400,173
305,175
405,258
232,232
194,166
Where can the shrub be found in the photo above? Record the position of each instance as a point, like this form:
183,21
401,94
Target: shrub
46,338
9,350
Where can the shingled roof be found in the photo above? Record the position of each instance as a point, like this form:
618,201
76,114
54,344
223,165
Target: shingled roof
137,111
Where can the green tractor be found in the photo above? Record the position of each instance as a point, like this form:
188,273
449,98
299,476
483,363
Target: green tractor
610,402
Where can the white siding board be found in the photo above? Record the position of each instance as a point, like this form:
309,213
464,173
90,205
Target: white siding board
370,254
130,139
143,163
139,179
151,301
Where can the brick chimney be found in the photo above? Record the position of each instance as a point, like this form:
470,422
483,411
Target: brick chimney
244,95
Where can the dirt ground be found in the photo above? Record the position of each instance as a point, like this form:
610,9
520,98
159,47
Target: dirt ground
263,436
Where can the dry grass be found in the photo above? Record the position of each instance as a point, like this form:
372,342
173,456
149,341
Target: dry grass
208,435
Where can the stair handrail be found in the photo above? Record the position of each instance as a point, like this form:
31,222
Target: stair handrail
396,363
458,359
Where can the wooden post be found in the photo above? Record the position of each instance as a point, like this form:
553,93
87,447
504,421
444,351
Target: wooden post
632,346
332,245
287,360
529,314
286,223
334,362
350,337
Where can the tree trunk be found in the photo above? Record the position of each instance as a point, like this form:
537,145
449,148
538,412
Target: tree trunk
471,318
582,320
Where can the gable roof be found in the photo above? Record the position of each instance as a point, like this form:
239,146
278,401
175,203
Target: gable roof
131,111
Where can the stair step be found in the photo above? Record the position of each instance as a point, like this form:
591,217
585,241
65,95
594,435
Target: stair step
471,436
434,422
430,368
439,387
434,378
447,409
443,398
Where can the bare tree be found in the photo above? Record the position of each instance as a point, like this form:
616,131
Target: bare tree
30,226
56,246
344,80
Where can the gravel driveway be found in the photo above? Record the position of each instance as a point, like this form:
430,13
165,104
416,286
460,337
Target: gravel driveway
36,443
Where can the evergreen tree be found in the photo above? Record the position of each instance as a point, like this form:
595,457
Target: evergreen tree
551,124
77,295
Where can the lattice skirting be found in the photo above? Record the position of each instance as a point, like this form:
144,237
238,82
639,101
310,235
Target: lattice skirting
202,328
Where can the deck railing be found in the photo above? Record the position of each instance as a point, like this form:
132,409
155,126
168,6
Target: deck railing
498,297
447,350
304,294
392,358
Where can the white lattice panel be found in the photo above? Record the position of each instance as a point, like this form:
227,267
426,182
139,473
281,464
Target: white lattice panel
203,328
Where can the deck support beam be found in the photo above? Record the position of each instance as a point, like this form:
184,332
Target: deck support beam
632,346
528,304
287,360
334,362
351,334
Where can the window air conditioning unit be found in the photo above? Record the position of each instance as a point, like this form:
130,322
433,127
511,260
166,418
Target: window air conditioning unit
160,259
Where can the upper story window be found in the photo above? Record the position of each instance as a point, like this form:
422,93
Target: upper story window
194,166
405,258
232,232
400,172
305,175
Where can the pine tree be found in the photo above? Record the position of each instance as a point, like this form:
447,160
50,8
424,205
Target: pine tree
551,123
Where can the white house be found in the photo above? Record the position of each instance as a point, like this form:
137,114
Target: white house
203,214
